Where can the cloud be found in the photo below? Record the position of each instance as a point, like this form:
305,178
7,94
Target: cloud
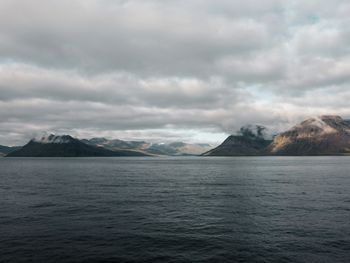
154,68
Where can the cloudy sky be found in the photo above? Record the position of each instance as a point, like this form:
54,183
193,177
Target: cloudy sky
164,70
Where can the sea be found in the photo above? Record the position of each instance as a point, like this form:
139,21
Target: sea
175,209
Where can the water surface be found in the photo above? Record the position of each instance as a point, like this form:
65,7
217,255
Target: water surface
244,209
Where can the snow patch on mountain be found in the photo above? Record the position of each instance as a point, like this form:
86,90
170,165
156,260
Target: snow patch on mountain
58,139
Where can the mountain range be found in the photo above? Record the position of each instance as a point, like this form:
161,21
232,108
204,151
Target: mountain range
172,149
324,135
67,146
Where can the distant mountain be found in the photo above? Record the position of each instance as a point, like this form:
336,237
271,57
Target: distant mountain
116,144
6,150
249,142
172,149
178,148
325,135
65,146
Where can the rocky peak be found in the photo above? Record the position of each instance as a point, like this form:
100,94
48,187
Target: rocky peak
319,125
326,134
56,139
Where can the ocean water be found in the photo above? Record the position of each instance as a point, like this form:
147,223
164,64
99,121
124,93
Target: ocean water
194,209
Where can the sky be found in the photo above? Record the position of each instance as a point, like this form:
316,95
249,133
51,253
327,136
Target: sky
161,70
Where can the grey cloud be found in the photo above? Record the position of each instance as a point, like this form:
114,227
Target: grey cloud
133,67
24,82
143,37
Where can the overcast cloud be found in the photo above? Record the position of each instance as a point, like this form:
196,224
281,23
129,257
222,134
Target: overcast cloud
191,70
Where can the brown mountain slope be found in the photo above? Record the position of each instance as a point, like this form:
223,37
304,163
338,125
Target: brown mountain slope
324,135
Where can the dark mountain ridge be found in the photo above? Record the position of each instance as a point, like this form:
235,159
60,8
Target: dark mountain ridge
249,142
66,146
7,149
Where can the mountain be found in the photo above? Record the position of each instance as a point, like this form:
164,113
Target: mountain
65,146
178,148
324,135
190,148
249,142
172,149
117,144
6,150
